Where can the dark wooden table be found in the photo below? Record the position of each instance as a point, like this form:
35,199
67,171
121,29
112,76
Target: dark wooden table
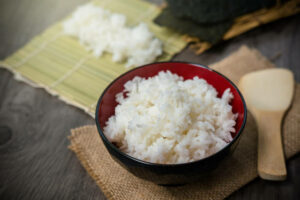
34,160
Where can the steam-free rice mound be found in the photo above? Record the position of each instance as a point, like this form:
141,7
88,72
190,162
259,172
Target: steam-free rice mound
164,119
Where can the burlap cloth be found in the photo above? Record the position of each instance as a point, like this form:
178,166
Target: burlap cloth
239,169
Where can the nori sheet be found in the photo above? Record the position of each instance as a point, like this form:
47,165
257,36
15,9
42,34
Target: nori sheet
211,33
213,11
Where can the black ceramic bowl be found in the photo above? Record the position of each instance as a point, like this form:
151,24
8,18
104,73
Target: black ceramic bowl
170,173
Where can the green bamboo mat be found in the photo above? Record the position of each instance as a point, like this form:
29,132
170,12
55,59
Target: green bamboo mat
62,66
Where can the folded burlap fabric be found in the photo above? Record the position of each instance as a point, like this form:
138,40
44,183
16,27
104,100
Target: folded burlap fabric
236,171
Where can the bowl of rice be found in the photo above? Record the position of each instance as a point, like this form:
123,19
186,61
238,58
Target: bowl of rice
171,122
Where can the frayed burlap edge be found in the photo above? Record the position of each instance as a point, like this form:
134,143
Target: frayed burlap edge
76,148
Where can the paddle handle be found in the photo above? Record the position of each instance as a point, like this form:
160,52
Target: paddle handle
271,162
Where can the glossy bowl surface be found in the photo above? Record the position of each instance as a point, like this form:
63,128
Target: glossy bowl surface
170,173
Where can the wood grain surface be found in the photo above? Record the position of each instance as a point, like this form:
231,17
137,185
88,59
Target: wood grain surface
34,160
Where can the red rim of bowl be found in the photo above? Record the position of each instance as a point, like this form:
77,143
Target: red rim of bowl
103,137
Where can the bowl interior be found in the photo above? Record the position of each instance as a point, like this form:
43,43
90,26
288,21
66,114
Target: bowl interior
107,102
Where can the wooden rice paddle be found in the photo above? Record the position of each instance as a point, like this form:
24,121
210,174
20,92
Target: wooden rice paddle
268,94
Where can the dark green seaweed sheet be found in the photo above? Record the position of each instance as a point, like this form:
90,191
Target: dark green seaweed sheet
211,33
213,11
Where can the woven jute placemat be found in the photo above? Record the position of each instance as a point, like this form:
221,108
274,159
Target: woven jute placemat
236,171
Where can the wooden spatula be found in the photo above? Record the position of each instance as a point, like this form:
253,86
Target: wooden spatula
268,95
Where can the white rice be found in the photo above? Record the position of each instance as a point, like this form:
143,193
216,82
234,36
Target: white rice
167,120
103,31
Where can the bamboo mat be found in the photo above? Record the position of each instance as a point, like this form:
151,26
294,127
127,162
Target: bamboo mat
61,65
